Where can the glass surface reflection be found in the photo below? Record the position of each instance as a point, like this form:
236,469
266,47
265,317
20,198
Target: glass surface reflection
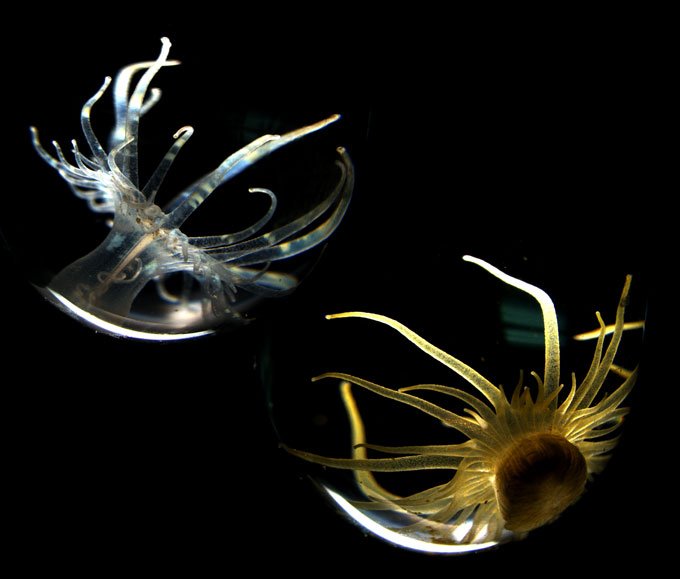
389,527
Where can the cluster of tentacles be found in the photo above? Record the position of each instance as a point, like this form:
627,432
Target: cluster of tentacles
145,242
495,487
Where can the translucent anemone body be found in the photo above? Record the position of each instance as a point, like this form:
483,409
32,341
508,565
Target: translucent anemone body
146,246
526,455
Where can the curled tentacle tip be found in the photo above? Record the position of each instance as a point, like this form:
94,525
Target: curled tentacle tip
105,85
185,129
335,316
341,150
354,314
321,124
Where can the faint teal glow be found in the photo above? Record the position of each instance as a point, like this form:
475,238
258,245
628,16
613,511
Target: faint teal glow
522,323
521,337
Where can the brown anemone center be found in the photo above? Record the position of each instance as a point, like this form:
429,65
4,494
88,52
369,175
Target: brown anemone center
538,477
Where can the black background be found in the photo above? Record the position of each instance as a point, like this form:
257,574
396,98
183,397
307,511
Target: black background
165,454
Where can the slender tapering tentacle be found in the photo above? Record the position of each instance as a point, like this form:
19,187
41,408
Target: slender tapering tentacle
396,464
121,95
270,247
156,179
213,242
490,391
551,374
192,198
464,425
92,141
130,162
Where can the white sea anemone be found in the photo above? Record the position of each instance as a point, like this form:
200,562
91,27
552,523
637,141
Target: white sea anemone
145,243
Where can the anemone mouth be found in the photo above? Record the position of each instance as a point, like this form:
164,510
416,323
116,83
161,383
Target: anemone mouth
537,478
